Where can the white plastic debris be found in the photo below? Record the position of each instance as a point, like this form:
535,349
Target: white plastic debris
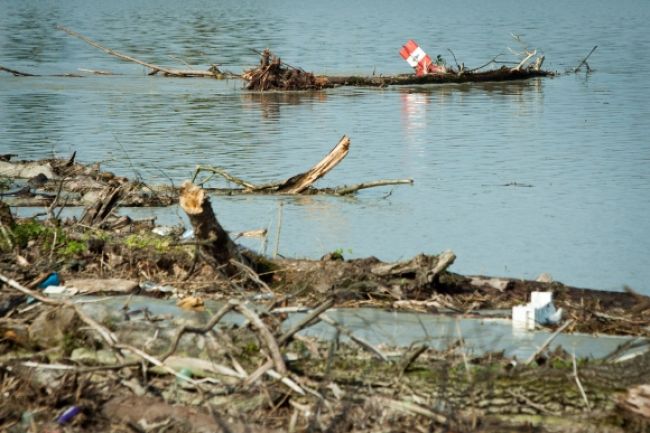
539,311
60,291
163,230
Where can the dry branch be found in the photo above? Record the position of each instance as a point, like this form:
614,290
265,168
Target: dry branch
212,73
301,182
584,61
16,73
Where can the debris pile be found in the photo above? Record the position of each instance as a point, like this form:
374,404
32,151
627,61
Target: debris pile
272,73
236,361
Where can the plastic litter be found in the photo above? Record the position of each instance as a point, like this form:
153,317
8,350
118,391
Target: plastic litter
539,311
152,287
51,280
68,415
60,291
186,374
163,230
188,234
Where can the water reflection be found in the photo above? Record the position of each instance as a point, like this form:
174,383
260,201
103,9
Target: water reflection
270,103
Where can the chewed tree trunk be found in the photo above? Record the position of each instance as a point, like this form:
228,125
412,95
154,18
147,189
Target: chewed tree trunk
215,242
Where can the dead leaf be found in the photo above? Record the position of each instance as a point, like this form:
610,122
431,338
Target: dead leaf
191,303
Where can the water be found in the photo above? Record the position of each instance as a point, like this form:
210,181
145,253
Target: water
393,329
579,141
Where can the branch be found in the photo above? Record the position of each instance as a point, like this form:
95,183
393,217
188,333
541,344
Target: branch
17,73
548,341
223,173
154,68
345,190
308,320
529,55
300,182
584,61
493,60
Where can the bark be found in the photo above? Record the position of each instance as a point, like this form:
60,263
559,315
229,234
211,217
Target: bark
214,241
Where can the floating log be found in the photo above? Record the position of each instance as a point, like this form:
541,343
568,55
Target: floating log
502,74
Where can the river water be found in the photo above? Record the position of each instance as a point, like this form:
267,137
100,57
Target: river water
548,175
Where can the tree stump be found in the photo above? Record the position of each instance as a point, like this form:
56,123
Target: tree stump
214,242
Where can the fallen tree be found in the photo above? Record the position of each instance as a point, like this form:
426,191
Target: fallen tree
69,183
302,182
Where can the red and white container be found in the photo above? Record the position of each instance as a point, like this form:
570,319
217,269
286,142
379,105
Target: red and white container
418,59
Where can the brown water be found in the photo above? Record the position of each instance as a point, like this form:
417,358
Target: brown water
579,141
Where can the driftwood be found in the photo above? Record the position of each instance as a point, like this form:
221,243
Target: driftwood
300,183
213,72
272,73
101,209
502,74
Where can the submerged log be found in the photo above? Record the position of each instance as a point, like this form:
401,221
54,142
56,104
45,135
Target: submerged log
501,74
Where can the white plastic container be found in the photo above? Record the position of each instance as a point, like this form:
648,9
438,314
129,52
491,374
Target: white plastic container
539,311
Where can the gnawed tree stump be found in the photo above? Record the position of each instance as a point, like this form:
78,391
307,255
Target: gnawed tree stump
215,244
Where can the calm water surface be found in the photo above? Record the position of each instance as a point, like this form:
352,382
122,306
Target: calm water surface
578,143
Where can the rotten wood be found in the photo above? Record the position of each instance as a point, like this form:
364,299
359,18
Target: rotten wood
101,209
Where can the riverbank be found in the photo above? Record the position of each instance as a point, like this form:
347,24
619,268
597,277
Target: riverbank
71,364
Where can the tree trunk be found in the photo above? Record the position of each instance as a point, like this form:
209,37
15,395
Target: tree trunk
214,241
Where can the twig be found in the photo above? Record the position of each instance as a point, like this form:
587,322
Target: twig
199,330
529,55
584,61
17,73
251,274
531,403
406,406
154,68
345,190
223,173
410,357
365,345
308,320
455,61
277,232
577,379
548,341
266,335
493,60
